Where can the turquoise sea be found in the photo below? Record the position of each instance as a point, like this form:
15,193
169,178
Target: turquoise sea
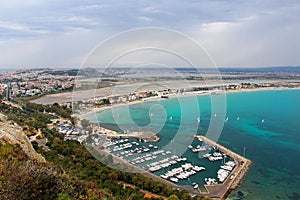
266,123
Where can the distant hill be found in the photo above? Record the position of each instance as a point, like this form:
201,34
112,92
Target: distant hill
294,69
84,72
88,72
263,69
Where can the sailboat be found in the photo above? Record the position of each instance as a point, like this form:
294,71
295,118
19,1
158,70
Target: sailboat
198,119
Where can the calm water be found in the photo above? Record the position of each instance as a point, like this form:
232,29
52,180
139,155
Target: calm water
267,123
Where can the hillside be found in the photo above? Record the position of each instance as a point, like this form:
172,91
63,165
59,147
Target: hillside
12,133
71,171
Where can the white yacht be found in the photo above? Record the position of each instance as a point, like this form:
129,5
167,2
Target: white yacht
174,179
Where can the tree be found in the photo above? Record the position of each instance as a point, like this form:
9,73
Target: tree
63,196
113,175
28,180
173,197
186,196
35,145
85,123
106,101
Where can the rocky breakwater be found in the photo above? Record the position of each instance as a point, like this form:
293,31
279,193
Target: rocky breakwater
12,133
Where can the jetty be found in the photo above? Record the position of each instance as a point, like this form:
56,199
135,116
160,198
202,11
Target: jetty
230,174
146,136
143,135
220,191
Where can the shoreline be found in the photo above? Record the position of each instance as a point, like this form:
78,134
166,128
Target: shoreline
155,138
124,88
223,92
244,169
242,173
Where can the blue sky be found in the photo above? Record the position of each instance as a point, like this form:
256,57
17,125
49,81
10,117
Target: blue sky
235,33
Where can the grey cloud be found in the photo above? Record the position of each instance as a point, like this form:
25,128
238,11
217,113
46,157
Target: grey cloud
236,33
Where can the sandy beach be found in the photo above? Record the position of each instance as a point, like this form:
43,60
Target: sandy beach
221,92
123,89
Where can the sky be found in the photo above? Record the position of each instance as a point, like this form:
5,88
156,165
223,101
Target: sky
235,33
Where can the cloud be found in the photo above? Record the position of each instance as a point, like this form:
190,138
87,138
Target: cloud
145,19
17,3
236,33
258,40
150,9
90,7
80,20
10,29
13,26
15,53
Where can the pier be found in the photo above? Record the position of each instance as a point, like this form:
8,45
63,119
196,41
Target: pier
220,191
122,149
146,136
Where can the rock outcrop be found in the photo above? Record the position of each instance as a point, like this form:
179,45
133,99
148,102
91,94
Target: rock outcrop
12,133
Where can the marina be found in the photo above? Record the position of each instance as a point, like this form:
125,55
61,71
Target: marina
180,171
230,174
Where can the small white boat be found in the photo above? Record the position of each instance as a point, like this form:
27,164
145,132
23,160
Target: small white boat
263,120
173,162
155,168
174,179
164,176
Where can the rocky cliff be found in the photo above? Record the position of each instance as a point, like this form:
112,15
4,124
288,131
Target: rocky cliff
12,133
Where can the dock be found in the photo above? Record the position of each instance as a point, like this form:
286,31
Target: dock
146,136
215,191
220,191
